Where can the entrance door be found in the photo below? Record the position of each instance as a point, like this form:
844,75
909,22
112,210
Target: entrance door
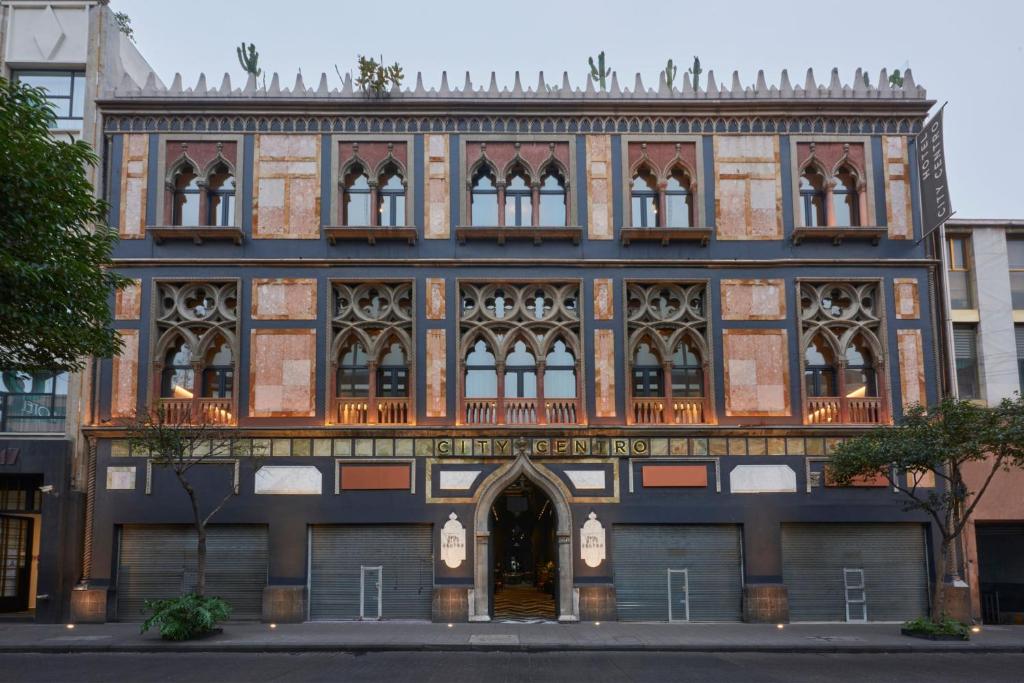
1001,572
370,586
15,563
524,554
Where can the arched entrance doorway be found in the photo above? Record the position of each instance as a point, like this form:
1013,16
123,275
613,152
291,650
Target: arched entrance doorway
522,475
524,553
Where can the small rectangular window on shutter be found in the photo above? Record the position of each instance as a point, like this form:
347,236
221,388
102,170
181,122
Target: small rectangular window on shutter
965,342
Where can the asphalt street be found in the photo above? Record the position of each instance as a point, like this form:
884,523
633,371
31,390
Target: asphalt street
455,667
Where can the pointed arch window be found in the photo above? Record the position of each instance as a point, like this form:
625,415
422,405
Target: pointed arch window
859,374
644,199
560,372
520,372
219,370
178,378
221,197
845,199
356,200
687,371
481,372
186,198
393,373
391,198
518,199
819,369
647,381
353,372
678,200
812,198
553,212
484,198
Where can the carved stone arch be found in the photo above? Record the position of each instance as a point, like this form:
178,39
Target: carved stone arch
182,160
559,495
482,161
342,340
351,162
559,166
168,340
851,333
518,161
214,163
209,336
686,334
382,344
828,336
508,344
812,162
644,162
655,342
400,169
677,162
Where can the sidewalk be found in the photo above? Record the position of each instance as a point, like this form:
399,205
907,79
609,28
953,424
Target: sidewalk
418,636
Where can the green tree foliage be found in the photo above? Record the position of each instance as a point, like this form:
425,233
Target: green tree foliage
376,79
124,25
598,73
938,442
55,245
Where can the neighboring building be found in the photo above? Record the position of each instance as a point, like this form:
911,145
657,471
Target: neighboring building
74,50
532,352
984,261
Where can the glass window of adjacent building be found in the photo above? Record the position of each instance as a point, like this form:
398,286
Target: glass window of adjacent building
965,350
65,90
33,401
959,257
1019,332
1015,252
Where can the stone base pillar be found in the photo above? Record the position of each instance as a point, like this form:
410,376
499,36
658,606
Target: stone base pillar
450,604
284,604
765,603
958,602
89,605
597,603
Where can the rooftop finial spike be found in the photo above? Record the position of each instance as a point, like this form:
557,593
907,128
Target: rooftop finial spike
323,89
785,88
275,85
663,89
445,91
201,84
835,86
467,87
688,90
566,86
250,85
710,88
419,91
346,85
517,86
810,84
542,86
761,85
638,86
737,86
176,85
615,89
909,85
300,87
225,85
492,88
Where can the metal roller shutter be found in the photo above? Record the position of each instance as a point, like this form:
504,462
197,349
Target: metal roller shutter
404,554
642,556
892,557
159,562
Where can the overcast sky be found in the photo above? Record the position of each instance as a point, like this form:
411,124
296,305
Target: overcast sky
969,53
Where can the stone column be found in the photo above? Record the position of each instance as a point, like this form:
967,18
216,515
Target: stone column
566,607
481,571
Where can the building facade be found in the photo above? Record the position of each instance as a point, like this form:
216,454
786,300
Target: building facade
74,50
984,263
533,352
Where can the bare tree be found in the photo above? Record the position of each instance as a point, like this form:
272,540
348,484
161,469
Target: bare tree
181,446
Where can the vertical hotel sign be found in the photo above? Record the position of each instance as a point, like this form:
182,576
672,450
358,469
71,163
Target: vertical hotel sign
931,169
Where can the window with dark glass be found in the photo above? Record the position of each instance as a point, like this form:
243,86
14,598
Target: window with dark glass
819,369
1018,331
961,293
965,351
391,199
219,371
481,372
1015,252
353,372
678,200
860,371
65,91
812,198
484,199
845,202
356,201
687,372
646,373
518,200
186,196
393,374
33,401
552,199
221,197
644,199
178,377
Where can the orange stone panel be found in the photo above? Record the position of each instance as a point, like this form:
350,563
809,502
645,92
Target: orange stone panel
599,190
911,355
282,373
675,476
125,386
908,303
604,308
898,211
748,187
756,372
435,298
604,373
875,481
283,299
375,477
753,300
437,371
134,165
128,302
286,187
437,221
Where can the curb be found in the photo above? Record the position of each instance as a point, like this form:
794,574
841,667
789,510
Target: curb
253,648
